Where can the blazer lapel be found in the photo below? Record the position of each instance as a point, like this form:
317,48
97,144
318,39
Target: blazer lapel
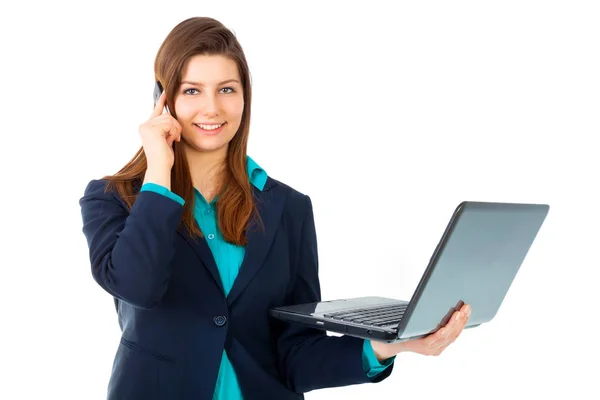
203,251
270,208
198,244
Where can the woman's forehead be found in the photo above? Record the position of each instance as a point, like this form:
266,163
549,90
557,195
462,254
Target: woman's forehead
209,70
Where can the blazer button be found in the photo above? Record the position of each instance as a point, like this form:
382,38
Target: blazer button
220,320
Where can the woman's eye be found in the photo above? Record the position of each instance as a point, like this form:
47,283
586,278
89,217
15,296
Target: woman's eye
195,91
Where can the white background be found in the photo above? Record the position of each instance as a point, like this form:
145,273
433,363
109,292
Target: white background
387,114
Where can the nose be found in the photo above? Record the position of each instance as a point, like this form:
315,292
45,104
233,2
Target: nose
210,105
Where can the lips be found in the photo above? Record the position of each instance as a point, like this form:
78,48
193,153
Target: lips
210,131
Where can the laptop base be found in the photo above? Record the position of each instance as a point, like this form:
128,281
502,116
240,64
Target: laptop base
320,315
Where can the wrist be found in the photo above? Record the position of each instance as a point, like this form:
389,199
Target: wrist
383,351
159,176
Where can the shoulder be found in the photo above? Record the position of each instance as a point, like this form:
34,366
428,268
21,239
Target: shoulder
296,201
101,190
96,188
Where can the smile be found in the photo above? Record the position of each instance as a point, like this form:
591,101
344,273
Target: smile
210,129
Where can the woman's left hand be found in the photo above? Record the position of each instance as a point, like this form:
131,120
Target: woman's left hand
430,345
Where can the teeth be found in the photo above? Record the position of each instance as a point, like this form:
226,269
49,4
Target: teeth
209,127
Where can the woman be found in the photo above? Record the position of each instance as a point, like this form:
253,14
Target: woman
196,243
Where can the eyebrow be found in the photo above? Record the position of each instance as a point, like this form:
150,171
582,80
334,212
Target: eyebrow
201,84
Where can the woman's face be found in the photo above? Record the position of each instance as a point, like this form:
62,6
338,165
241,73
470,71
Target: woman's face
209,103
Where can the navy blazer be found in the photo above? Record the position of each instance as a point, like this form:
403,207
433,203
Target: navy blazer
176,320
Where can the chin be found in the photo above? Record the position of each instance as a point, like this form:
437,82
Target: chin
209,146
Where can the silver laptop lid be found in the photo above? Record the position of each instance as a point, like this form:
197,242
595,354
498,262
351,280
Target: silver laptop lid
475,262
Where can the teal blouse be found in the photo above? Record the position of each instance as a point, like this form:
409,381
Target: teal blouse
228,258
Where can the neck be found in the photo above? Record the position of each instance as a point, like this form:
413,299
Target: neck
205,168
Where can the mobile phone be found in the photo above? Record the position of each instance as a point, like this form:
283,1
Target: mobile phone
158,89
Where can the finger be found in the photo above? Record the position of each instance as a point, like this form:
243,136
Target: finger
175,130
455,325
459,325
466,319
465,313
168,125
466,309
447,337
438,338
178,130
450,332
160,105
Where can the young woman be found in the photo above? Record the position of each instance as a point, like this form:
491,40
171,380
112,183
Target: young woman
196,243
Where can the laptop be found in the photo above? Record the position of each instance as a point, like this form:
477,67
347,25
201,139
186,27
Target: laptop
475,262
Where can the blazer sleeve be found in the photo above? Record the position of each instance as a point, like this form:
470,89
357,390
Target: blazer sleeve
309,358
130,250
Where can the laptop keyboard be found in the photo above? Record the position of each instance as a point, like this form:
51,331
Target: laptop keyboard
378,316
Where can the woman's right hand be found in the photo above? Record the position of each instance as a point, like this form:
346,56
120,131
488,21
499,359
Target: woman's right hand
430,345
158,135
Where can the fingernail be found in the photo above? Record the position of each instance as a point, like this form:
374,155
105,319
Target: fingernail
457,317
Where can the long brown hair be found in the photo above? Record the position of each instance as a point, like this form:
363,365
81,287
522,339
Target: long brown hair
235,205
